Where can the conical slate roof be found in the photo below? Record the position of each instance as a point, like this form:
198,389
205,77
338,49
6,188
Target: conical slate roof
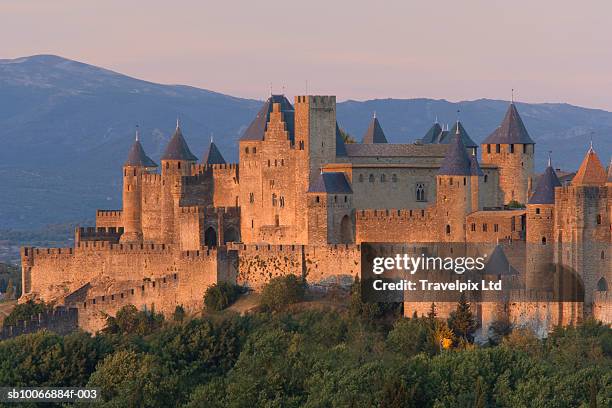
432,134
510,131
465,138
258,126
474,166
457,161
591,171
177,148
374,134
497,263
138,158
212,155
545,189
340,147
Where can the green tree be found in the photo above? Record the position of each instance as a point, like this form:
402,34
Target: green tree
219,296
130,320
25,311
411,336
130,379
461,321
282,291
479,394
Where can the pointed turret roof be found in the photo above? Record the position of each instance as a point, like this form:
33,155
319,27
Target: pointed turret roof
475,166
137,156
177,148
259,125
432,134
212,155
511,130
374,134
340,147
465,137
545,189
591,171
497,263
456,162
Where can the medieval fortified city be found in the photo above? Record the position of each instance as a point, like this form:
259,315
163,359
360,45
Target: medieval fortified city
303,201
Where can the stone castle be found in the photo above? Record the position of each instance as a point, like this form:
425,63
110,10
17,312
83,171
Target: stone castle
303,201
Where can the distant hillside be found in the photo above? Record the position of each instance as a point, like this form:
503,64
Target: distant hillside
65,128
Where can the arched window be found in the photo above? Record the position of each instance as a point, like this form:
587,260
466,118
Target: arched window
543,240
246,150
251,198
317,199
602,285
602,255
254,150
537,210
301,145
598,219
383,178
371,178
464,181
281,201
273,199
420,192
486,178
448,229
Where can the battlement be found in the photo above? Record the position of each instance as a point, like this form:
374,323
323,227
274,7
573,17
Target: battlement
317,101
209,211
403,214
123,248
60,320
204,252
108,214
27,252
152,178
110,234
124,296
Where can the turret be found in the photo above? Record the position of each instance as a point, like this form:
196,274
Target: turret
511,149
176,163
136,164
212,155
454,192
374,134
540,228
329,200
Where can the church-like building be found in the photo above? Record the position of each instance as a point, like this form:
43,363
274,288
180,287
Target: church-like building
303,200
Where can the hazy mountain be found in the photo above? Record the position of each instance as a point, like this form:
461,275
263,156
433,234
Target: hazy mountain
65,128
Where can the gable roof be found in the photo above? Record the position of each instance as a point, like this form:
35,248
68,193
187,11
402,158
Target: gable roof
331,183
340,147
456,162
545,189
177,148
138,158
257,129
511,130
374,134
591,171
212,155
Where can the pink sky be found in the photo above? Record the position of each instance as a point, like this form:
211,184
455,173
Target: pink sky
549,51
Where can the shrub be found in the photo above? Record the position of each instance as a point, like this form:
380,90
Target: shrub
26,311
179,314
220,295
282,291
131,320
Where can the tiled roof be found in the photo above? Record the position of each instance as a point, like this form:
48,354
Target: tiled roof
138,158
258,126
212,155
591,171
545,189
511,131
331,183
465,137
177,148
456,162
374,134
395,150
474,166
432,134
340,148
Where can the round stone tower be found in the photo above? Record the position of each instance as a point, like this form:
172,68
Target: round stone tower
136,164
176,163
512,150
540,229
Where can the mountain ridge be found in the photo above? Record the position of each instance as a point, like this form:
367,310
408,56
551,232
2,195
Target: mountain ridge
66,127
